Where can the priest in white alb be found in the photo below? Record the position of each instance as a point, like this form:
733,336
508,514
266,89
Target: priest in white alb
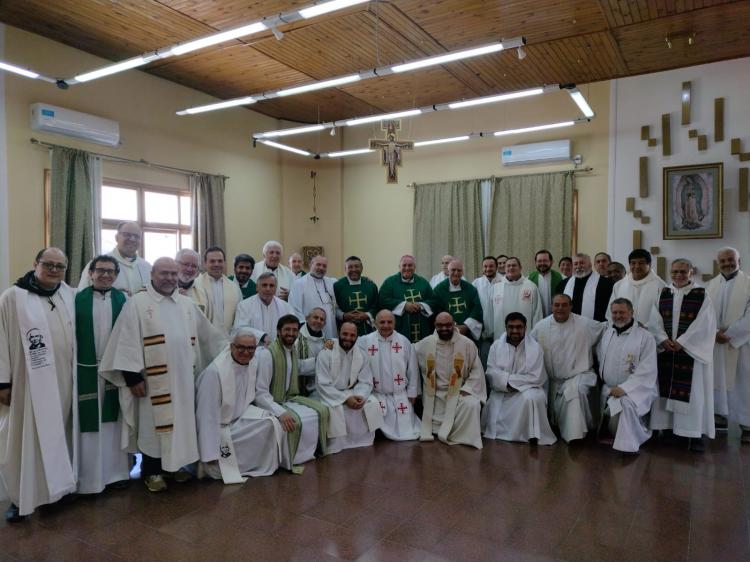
627,365
159,344
344,383
315,290
309,344
589,291
217,294
684,325
453,385
38,415
568,341
236,437
515,293
517,406
484,287
263,310
441,275
641,286
188,270
271,262
395,377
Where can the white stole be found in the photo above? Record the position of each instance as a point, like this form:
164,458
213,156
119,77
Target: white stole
735,310
589,293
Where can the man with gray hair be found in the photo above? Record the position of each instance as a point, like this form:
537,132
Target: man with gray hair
315,290
589,290
730,294
263,310
271,262
295,265
189,264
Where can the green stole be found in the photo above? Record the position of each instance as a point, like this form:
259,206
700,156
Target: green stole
88,372
281,395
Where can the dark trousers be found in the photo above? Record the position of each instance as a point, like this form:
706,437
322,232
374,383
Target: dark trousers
150,466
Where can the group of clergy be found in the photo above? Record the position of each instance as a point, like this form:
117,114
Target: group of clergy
234,377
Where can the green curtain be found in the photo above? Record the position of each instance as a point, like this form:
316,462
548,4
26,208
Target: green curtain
447,220
74,189
207,211
529,213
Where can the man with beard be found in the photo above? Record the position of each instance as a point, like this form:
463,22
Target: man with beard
315,290
616,271
216,292
243,272
410,298
263,310
514,294
483,285
627,365
589,290
601,263
565,265
461,300
641,286
454,388
271,261
546,279
189,267
356,297
344,382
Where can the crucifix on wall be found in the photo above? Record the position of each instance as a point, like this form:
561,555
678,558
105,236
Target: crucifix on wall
391,148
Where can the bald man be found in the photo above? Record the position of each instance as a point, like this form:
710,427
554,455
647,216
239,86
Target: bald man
461,300
410,298
315,290
441,275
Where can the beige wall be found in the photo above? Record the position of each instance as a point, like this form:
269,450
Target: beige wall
144,106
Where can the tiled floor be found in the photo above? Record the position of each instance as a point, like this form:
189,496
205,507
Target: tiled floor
422,502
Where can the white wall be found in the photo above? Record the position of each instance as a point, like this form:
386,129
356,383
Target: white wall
4,231
641,100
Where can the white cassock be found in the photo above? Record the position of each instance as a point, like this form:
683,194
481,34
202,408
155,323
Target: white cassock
134,276
308,347
521,296
340,375
438,278
484,288
310,292
395,379
569,363
218,299
284,276
731,301
453,390
236,437
643,294
190,342
39,430
102,459
628,360
254,313
696,417
520,415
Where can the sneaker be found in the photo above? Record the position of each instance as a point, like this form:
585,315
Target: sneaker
12,515
155,483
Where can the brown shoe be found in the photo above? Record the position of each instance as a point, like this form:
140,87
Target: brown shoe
155,483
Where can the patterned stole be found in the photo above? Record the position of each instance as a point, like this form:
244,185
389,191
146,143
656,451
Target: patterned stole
676,368
87,371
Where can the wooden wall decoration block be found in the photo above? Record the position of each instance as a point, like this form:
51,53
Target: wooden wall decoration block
651,142
643,177
630,204
702,142
638,213
637,239
743,203
736,147
718,119
744,156
661,267
686,103
645,132
645,220
654,250
692,133
666,138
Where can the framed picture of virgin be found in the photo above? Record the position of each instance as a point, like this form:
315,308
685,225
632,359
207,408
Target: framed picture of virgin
693,201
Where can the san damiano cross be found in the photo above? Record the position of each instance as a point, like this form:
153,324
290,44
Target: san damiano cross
391,148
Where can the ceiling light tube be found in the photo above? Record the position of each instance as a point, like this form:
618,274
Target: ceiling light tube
217,38
294,131
373,118
220,105
495,99
319,85
115,68
534,128
286,147
326,7
349,152
18,70
441,141
450,57
581,102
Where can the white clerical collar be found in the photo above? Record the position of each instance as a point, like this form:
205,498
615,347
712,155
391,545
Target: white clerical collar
516,282
214,280
357,282
407,280
649,277
453,288
157,296
385,339
119,257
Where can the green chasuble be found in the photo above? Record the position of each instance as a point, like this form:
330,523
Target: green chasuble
461,304
357,298
395,291
248,290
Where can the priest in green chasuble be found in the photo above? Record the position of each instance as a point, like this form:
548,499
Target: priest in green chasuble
356,297
411,300
243,271
460,299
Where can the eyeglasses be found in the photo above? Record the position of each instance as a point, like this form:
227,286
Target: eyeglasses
244,348
51,266
129,236
102,271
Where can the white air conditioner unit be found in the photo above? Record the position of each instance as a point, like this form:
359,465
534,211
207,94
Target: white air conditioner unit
536,152
53,119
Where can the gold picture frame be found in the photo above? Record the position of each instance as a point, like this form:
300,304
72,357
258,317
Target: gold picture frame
693,202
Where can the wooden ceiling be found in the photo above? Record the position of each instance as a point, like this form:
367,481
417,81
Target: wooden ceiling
576,41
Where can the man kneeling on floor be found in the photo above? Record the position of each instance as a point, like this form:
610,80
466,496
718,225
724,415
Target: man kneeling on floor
344,382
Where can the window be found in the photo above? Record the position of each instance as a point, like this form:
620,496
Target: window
163,214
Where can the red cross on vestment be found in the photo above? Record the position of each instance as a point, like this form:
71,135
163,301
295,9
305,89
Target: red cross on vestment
401,408
396,347
398,380
372,349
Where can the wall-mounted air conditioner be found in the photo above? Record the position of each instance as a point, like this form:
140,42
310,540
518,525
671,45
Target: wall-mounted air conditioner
53,119
533,153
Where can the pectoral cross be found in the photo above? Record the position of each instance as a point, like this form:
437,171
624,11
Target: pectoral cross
415,333
411,295
454,307
356,301
391,148
372,349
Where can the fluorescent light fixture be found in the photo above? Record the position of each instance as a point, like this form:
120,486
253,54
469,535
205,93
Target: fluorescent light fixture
319,85
286,147
581,102
217,38
295,131
220,105
325,7
535,128
349,152
113,68
441,141
495,99
18,70
373,118
442,59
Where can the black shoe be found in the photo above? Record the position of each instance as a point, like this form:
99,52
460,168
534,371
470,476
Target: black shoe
697,445
119,485
12,515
